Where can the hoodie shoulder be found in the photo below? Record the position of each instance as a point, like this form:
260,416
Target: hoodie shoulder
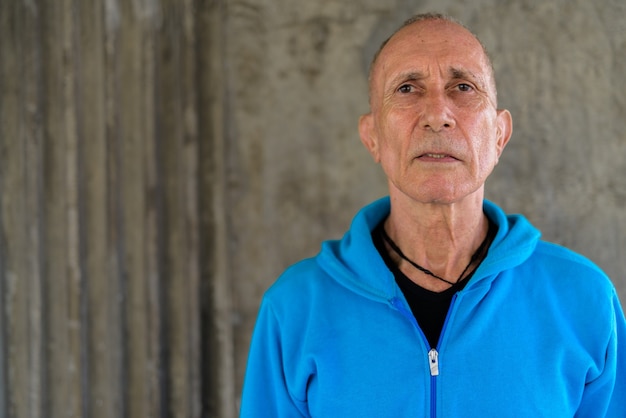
573,266
295,279
351,263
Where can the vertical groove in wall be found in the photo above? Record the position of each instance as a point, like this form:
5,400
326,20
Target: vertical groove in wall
78,183
98,402
19,279
105,347
58,321
217,387
153,250
116,223
4,382
32,140
4,410
179,140
130,184
5,68
218,357
161,337
157,259
71,66
8,122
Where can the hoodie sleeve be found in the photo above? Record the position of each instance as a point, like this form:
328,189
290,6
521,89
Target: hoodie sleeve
265,389
608,391
617,406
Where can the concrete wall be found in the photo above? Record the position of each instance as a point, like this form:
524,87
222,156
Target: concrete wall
297,84
163,161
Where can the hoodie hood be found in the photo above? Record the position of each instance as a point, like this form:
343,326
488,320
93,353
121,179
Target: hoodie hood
356,264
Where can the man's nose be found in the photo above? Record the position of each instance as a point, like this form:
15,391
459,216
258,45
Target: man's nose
436,113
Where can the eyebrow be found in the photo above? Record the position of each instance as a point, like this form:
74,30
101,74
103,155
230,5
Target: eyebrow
458,73
412,75
407,76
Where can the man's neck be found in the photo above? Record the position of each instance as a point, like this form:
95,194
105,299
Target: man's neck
439,237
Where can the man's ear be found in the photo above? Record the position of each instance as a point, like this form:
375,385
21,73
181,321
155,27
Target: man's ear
504,129
368,135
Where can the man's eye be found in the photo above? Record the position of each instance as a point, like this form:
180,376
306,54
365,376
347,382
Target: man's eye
464,87
405,88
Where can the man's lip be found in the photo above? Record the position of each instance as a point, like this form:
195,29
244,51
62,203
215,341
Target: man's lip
434,156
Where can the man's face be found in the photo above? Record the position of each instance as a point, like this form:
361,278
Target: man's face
434,126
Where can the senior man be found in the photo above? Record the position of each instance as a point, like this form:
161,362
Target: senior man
436,302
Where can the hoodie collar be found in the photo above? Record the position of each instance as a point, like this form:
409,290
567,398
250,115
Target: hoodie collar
355,263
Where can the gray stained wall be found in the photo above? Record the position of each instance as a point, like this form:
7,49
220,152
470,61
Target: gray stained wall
162,161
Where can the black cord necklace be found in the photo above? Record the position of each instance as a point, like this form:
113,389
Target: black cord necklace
478,254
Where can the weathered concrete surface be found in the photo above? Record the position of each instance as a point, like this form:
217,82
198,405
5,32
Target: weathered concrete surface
163,161
297,84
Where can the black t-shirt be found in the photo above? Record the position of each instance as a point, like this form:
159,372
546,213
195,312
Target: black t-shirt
429,308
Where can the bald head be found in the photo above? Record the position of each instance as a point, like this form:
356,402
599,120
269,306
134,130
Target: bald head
420,28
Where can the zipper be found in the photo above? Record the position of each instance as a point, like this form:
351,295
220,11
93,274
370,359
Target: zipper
433,354
433,359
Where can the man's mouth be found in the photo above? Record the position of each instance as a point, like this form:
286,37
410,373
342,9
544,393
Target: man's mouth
436,156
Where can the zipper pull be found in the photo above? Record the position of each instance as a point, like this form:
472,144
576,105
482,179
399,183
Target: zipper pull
433,359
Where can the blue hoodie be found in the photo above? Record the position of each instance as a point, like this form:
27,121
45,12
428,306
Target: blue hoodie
534,333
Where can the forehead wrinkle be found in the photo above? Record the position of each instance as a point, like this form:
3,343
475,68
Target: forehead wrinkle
485,77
